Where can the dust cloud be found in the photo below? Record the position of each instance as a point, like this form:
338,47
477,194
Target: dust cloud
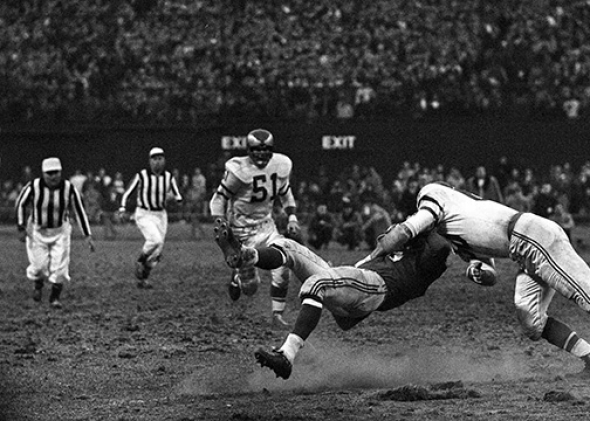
322,366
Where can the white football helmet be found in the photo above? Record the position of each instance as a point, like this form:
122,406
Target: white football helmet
260,145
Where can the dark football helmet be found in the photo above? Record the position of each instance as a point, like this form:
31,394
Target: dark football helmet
260,145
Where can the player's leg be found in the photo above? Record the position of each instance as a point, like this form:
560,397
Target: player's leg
59,264
348,292
532,301
38,268
152,226
279,287
546,253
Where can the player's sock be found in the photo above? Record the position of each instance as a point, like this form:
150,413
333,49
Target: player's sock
560,335
291,346
269,258
308,318
278,297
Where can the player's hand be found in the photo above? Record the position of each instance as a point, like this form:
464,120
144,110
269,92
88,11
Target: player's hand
293,228
90,243
480,274
294,231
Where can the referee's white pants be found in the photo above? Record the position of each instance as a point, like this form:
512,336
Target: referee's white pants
48,251
153,226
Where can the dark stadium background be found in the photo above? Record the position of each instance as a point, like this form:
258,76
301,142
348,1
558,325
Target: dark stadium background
383,144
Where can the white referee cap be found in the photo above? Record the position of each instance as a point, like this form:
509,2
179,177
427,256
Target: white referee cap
51,164
156,151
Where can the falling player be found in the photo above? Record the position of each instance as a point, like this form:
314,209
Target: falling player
350,293
245,197
481,230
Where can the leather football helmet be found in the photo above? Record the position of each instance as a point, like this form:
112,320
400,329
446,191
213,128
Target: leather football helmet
260,145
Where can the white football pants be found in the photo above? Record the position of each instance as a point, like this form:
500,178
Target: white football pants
48,251
153,226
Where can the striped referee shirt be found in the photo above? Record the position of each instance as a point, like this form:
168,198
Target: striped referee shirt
152,190
50,207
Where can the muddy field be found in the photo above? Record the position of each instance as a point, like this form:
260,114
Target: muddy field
183,351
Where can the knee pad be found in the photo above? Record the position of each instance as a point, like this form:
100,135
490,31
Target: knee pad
312,288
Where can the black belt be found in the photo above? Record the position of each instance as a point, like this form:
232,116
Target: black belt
512,223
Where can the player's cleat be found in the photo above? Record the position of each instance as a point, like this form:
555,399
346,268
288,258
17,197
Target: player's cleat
233,288
38,291
144,284
278,323
56,304
276,361
228,243
142,271
139,270
54,296
37,295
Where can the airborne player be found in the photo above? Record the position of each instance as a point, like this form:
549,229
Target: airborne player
245,197
482,230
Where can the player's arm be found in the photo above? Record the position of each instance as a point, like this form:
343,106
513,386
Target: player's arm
397,235
175,190
22,201
290,208
226,190
127,193
81,216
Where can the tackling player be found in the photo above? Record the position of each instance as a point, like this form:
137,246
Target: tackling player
481,230
350,293
245,197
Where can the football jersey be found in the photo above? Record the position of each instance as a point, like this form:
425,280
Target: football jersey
408,274
475,227
251,191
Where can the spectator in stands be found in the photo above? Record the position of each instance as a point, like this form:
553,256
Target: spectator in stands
78,179
375,221
407,202
564,219
544,202
455,178
321,227
349,225
484,185
515,199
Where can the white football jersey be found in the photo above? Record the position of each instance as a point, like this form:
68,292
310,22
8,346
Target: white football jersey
250,192
475,227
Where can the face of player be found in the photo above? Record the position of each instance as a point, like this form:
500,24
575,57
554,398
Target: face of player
260,155
157,164
52,178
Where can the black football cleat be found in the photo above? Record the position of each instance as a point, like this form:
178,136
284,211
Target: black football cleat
276,361
228,243
233,288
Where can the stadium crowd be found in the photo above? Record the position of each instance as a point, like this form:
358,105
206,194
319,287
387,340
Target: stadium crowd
358,194
179,60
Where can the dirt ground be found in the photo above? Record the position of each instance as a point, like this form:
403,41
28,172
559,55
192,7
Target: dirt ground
183,351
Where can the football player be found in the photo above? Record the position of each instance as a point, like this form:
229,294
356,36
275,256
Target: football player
481,230
245,198
350,293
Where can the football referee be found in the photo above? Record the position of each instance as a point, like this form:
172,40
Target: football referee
153,185
42,212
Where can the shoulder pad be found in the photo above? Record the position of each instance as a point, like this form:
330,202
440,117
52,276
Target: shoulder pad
241,167
281,164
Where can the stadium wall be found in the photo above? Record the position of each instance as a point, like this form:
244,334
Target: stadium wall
337,144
